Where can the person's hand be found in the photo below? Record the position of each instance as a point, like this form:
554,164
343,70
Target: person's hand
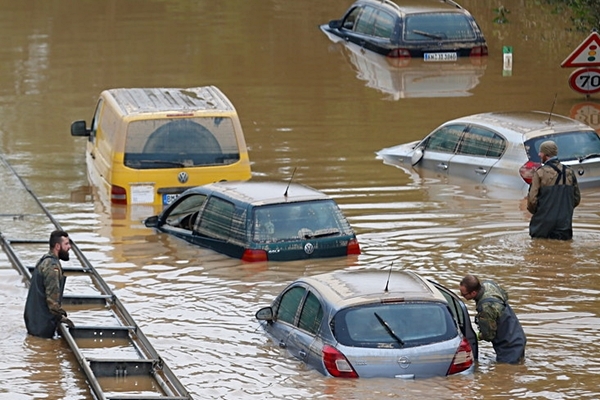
65,320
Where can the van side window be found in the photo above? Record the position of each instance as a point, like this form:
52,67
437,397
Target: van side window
168,143
94,123
216,219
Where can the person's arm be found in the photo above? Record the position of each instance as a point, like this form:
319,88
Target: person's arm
52,285
534,189
487,321
576,192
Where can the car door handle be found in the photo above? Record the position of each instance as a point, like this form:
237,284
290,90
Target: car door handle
282,345
442,166
302,354
481,171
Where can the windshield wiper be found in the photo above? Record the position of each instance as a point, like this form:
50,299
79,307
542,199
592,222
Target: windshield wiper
427,34
181,164
322,233
588,156
388,329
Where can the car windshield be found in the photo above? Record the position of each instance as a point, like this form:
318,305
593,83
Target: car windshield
177,143
299,221
394,325
438,26
571,146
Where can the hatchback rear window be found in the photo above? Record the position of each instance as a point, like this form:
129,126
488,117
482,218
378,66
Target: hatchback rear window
394,325
571,145
174,143
301,220
438,26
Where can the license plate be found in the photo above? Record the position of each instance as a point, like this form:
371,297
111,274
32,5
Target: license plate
168,198
440,57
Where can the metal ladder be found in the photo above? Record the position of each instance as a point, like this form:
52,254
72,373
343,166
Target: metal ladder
118,360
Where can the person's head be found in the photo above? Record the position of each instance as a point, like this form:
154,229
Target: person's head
60,244
548,149
469,287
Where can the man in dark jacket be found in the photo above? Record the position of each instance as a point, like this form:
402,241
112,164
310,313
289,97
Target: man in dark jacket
496,320
43,308
553,195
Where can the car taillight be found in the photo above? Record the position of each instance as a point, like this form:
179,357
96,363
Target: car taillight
118,195
253,255
353,247
463,359
399,53
479,51
337,364
527,170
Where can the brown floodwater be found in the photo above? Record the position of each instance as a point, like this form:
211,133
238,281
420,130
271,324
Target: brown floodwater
308,104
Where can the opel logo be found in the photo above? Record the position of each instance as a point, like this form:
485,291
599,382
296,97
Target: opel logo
309,248
404,362
182,177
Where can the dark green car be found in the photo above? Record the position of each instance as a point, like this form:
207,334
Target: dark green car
259,221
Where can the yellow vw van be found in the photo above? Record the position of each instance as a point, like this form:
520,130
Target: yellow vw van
147,145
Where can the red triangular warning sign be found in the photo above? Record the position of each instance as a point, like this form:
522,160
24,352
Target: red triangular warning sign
587,54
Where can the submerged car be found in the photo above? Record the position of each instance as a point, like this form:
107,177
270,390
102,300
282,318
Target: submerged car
259,221
432,30
501,148
373,323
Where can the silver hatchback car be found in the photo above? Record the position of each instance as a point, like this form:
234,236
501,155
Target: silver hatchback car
501,148
373,323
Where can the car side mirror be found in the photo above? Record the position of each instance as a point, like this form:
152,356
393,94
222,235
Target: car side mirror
417,155
335,24
265,314
151,222
78,128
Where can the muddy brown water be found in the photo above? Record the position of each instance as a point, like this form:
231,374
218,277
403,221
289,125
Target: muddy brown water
309,104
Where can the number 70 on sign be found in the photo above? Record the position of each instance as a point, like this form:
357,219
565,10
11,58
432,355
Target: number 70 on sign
585,80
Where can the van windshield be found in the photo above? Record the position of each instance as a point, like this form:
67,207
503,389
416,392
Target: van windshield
177,143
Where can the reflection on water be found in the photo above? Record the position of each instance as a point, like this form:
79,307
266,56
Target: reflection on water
301,107
406,78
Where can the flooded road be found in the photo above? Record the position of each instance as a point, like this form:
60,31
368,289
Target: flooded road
306,103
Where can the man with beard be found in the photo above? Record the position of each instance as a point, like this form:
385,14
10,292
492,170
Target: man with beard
43,308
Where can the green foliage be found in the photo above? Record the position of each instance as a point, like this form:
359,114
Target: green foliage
501,15
585,13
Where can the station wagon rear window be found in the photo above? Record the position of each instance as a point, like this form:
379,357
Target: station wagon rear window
175,143
438,26
394,325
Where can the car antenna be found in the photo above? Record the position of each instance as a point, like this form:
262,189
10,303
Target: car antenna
288,186
388,279
551,109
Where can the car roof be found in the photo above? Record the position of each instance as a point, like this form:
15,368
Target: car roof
526,124
416,6
262,193
181,100
343,289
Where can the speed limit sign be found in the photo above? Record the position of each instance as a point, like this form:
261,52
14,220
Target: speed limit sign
585,80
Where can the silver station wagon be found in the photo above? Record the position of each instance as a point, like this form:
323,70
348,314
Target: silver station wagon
373,323
501,148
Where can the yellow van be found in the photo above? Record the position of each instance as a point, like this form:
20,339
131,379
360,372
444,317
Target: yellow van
147,145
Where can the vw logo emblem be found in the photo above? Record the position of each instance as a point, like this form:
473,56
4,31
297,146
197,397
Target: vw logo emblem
309,248
182,177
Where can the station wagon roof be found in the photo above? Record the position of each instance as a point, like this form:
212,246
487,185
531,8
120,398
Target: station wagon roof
262,193
347,288
180,100
524,123
419,6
